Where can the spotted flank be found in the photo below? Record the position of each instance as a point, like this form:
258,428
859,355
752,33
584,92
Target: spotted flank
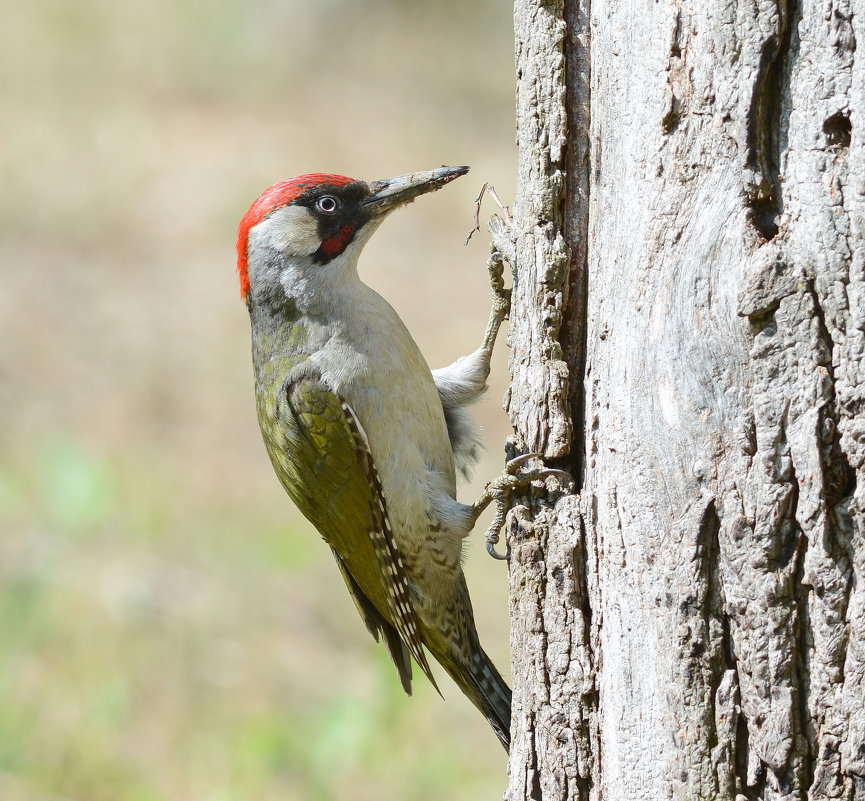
386,551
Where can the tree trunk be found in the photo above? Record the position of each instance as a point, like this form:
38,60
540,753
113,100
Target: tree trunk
687,340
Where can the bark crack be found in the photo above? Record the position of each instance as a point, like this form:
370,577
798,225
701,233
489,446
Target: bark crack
768,118
575,219
797,774
709,529
802,669
727,736
839,477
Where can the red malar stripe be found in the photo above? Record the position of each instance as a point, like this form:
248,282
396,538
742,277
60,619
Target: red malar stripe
336,244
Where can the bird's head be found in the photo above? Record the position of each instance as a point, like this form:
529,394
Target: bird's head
301,232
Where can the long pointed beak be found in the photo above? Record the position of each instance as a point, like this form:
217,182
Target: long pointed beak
392,192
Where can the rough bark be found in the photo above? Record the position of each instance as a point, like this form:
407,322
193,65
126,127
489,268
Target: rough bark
688,339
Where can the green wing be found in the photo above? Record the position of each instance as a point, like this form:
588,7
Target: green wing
322,456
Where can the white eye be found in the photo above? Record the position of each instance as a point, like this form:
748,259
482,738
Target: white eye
327,204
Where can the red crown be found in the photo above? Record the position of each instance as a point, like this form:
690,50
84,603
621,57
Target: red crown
276,197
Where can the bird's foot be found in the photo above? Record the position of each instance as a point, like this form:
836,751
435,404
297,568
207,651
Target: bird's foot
500,491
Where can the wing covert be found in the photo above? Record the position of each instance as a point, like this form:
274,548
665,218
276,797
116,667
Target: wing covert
322,456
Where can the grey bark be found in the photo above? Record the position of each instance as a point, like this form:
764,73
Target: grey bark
688,340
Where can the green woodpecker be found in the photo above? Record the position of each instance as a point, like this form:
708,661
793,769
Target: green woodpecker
363,436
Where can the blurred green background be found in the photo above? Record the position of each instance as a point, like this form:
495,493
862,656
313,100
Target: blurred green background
170,627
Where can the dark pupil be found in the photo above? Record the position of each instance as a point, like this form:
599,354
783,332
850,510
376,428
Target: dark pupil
327,204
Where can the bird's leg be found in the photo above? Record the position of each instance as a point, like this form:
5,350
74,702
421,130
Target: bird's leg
501,304
500,491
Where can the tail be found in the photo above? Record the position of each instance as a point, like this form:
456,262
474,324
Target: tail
449,633
483,685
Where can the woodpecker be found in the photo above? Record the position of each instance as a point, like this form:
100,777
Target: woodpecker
363,436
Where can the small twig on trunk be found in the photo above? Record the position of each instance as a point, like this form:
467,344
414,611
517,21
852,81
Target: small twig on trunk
505,210
478,200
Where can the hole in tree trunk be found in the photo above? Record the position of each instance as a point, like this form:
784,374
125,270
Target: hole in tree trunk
764,215
838,130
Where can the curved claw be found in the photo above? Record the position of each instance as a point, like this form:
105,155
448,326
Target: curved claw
514,464
491,550
552,472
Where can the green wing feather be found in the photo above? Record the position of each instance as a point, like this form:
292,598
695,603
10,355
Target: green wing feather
322,456
377,625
